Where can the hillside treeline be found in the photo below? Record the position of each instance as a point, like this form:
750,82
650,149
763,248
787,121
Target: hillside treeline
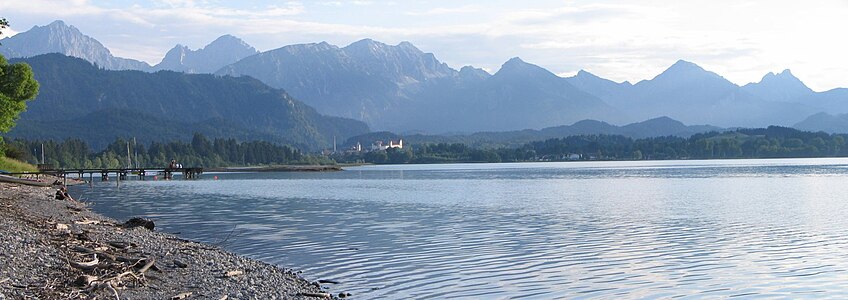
200,152
771,142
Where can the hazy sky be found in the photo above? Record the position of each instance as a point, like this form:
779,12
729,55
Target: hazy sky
619,40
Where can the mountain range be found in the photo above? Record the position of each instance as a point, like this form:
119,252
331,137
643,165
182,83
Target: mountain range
403,89
58,37
77,99
657,127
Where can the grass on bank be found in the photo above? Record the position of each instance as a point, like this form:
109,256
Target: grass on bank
13,165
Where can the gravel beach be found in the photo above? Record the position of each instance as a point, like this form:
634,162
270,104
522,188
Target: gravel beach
59,249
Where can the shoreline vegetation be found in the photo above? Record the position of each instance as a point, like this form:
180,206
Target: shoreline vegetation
229,155
14,165
200,152
61,249
770,142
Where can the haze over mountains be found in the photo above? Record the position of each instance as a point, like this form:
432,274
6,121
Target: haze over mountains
403,89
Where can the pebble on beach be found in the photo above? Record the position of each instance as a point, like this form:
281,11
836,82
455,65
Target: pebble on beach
50,246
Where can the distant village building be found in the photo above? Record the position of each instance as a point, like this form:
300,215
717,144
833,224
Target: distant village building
378,145
354,149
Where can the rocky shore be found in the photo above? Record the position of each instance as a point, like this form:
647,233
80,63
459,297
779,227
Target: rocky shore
56,249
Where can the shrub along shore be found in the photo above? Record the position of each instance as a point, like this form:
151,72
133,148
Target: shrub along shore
56,249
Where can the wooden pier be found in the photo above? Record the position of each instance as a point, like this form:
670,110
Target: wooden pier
120,174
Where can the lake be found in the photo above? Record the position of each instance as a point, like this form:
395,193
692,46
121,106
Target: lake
645,229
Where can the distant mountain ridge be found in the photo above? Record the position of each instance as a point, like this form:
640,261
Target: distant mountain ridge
223,51
403,89
57,37
365,80
824,122
782,86
519,96
657,127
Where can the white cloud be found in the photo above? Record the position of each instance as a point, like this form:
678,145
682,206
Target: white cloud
8,32
446,10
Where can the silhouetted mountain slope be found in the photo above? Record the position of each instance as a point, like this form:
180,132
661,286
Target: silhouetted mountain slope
825,122
72,89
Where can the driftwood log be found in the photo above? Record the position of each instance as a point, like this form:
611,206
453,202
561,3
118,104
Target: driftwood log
317,295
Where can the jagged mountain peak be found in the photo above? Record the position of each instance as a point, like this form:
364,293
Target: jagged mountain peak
474,74
364,44
60,31
515,61
586,76
227,37
517,69
683,72
473,70
369,46
683,68
223,51
321,46
407,45
783,86
229,41
682,63
366,41
584,73
55,24
60,37
785,76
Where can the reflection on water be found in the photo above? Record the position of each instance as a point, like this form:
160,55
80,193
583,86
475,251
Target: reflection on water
541,230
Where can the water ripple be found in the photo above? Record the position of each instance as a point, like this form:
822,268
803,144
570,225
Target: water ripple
651,230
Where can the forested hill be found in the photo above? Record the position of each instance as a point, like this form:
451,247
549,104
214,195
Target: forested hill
80,100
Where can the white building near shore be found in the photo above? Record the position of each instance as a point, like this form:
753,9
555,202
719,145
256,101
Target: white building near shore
378,145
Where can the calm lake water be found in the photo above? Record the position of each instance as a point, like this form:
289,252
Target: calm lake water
648,229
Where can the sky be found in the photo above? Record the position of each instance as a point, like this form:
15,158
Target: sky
616,39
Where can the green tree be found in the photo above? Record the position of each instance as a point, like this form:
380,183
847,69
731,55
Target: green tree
3,25
637,155
17,85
